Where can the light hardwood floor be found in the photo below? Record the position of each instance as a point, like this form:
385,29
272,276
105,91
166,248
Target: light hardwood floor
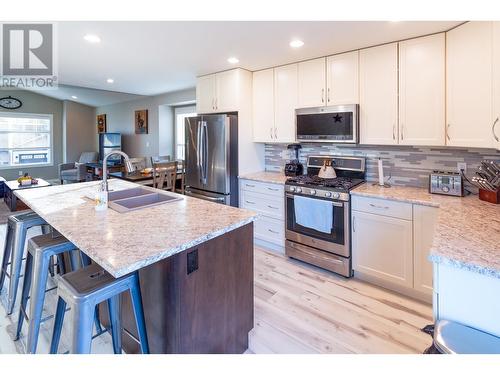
303,309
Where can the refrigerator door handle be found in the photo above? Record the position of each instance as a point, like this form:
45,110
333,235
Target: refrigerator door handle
204,133
198,145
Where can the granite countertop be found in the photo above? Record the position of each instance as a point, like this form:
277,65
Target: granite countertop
125,242
467,231
265,176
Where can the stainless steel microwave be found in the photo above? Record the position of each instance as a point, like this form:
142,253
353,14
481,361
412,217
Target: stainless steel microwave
334,124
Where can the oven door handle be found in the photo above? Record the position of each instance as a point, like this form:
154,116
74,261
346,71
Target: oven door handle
336,204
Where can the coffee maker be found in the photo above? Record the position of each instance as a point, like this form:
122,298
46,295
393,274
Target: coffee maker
294,167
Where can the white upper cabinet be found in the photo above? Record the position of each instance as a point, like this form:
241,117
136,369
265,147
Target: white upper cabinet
422,91
205,94
219,92
378,94
342,74
285,102
469,85
227,90
263,105
495,128
311,83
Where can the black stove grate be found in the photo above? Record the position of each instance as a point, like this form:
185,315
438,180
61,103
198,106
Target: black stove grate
344,183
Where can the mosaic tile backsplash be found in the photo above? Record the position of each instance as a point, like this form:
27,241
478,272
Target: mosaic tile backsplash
408,166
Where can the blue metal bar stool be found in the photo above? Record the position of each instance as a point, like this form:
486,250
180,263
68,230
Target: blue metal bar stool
40,251
17,228
83,290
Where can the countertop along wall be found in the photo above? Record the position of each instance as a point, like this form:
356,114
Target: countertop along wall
160,140
408,166
36,103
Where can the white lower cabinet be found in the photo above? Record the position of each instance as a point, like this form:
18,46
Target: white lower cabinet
269,201
382,247
391,242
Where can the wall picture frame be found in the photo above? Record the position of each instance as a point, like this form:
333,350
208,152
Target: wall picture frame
141,121
101,123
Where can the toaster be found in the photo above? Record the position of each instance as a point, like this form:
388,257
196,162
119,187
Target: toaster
446,183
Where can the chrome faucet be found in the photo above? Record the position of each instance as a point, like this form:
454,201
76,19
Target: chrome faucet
128,166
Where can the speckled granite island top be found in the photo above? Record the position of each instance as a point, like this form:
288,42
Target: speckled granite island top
467,232
265,176
125,242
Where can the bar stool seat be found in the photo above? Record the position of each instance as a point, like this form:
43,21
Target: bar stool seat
15,239
40,251
82,291
455,338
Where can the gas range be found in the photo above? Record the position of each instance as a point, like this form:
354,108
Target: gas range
335,188
350,173
305,240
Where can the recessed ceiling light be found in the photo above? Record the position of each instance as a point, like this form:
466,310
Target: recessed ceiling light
110,80
233,60
91,38
296,43
74,97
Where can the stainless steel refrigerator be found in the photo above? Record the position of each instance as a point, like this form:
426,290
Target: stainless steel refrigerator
212,158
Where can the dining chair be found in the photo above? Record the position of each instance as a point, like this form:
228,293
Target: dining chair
182,171
159,159
138,163
165,175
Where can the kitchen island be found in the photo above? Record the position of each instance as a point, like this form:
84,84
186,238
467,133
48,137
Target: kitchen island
195,262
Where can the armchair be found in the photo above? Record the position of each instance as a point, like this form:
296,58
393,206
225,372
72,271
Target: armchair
75,172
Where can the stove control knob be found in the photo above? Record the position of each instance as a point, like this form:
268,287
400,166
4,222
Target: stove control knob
313,192
328,194
336,195
299,190
292,188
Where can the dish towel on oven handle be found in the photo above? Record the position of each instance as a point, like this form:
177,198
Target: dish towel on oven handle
313,213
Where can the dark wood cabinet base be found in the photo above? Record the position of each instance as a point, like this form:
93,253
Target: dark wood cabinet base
197,301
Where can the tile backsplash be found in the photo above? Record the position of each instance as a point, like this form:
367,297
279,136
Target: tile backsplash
409,166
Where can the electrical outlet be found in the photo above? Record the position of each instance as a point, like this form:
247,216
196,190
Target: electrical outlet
462,166
20,173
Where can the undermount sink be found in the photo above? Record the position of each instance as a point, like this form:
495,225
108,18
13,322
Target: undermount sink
137,198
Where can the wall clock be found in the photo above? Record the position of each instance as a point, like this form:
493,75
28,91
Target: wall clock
10,103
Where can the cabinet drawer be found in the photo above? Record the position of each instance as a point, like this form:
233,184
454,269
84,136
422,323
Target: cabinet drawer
382,207
270,230
263,188
264,204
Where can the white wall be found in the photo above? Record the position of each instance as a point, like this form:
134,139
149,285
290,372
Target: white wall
160,140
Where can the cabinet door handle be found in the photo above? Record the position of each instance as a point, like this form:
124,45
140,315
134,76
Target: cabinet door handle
249,202
272,207
275,135
354,224
328,95
394,132
271,130
272,189
322,95
379,207
248,185
273,231
493,130
213,103
402,131
448,132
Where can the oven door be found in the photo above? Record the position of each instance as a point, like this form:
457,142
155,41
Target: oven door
336,242
336,124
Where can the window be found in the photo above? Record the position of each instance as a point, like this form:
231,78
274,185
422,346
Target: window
25,140
180,138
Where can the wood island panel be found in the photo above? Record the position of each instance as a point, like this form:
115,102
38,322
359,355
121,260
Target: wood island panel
209,310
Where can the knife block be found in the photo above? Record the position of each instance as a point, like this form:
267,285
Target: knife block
489,196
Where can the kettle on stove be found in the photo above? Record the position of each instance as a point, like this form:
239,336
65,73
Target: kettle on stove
327,170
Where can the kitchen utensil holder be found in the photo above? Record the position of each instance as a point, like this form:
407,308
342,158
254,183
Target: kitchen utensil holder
489,195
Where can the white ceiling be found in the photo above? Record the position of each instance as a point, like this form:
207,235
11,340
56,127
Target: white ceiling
148,58
88,96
